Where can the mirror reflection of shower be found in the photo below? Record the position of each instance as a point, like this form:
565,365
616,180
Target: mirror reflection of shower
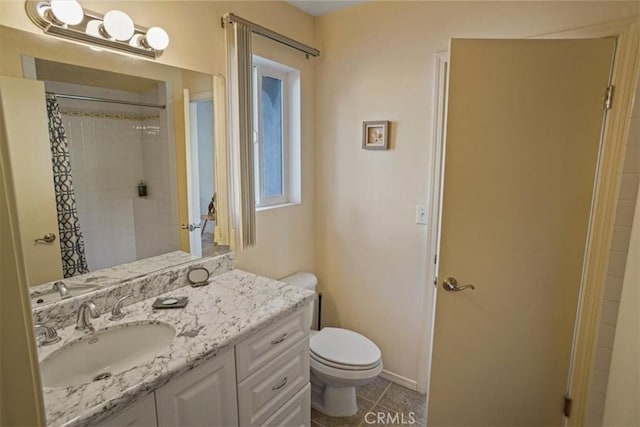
114,166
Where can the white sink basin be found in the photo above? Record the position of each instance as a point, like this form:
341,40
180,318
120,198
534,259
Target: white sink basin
105,353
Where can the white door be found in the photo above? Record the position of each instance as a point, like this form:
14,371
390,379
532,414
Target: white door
193,188
205,396
25,127
523,135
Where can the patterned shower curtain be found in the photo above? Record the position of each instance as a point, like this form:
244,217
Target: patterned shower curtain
74,261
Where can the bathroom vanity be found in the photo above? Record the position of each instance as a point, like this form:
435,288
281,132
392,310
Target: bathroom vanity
274,391
239,356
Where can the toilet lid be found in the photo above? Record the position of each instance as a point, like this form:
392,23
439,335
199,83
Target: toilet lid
344,347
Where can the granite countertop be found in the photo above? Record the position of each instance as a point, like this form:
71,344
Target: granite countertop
218,316
117,274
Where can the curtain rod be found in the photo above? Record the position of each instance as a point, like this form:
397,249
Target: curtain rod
111,101
265,32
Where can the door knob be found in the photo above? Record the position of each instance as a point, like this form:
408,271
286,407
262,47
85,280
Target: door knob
190,227
450,284
47,238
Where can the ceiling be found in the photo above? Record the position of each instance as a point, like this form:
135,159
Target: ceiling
322,7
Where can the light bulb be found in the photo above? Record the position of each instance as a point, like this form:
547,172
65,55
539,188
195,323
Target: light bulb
118,25
67,11
93,28
156,38
136,40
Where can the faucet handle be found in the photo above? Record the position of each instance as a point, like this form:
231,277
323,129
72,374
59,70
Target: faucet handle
50,334
87,310
116,311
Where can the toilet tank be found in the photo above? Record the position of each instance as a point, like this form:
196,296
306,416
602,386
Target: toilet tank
307,281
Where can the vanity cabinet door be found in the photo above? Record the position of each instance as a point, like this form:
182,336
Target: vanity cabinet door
140,414
205,396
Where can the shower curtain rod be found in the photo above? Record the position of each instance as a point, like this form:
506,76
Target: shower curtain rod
111,101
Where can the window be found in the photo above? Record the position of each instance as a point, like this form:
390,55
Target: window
276,133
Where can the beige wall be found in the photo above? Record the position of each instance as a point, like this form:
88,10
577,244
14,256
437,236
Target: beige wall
377,64
622,407
197,43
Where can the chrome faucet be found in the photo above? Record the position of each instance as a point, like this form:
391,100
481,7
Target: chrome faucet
116,311
87,310
50,334
62,288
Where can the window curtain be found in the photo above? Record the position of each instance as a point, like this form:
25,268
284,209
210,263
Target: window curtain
74,261
240,67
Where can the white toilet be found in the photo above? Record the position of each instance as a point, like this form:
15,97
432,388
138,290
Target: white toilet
341,360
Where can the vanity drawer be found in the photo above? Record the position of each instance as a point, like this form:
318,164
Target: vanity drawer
294,413
263,346
264,392
140,414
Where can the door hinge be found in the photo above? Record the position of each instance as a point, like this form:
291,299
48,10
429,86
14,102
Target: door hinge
435,259
566,409
608,98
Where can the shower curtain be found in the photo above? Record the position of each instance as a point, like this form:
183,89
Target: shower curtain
74,261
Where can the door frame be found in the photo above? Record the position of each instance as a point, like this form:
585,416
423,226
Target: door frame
435,186
609,173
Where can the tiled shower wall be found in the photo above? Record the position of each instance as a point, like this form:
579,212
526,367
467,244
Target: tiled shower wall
156,216
105,178
617,262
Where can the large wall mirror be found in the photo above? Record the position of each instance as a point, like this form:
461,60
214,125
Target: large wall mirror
118,162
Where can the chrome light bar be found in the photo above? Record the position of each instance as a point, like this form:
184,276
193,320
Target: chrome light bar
91,28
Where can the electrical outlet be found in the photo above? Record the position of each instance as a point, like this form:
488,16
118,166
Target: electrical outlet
421,214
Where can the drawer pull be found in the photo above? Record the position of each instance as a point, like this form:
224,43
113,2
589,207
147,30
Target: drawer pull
279,340
279,386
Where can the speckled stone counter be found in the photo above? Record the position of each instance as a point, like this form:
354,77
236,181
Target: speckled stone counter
218,316
141,286
120,273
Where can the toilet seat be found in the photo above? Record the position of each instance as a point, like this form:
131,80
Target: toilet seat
344,349
330,374
322,361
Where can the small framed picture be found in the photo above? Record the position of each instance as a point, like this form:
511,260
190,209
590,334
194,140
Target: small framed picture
375,135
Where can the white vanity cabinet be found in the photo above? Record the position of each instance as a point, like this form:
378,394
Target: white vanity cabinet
205,396
263,381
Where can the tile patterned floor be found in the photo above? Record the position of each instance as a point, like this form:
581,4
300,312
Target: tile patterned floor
380,403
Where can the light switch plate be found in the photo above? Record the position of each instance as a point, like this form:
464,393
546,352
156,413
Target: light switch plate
421,214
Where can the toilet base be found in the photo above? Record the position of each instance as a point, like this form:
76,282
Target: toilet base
334,401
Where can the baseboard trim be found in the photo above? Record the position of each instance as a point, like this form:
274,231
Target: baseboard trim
399,379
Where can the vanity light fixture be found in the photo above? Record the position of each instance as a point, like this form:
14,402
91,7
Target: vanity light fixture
113,30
